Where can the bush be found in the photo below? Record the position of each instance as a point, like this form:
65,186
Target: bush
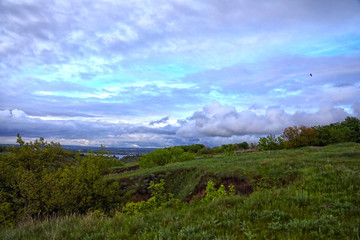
243,145
330,134
38,179
159,199
164,156
271,143
296,137
212,193
158,157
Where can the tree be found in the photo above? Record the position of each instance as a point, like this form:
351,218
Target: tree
353,124
296,137
330,134
270,142
243,145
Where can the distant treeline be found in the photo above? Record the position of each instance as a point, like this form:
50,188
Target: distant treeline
301,136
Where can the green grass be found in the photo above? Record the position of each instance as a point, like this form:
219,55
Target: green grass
307,193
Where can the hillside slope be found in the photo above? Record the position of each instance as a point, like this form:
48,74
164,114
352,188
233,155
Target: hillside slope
307,193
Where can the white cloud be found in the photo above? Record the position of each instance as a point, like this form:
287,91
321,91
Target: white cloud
67,64
356,109
217,120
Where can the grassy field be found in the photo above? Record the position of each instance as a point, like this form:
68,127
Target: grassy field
307,193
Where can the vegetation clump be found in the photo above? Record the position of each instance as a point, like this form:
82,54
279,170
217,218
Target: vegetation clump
161,157
304,193
164,156
212,193
159,199
40,178
302,136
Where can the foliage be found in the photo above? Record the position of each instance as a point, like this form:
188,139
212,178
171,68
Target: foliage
212,193
302,136
229,149
270,143
353,124
160,157
40,178
307,193
296,137
3,148
330,134
243,145
164,156
195,148
159,199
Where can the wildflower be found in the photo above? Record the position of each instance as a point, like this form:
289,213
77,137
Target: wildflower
326,207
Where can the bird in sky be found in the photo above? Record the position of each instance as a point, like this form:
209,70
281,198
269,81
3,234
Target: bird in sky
310,74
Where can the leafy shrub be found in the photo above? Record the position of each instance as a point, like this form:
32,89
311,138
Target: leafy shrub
299,136
39,178
158,157
243,145
353,124
159,199
345,131
271,143
164,156
212,193
186,156
331,134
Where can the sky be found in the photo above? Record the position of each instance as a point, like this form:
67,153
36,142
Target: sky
146,73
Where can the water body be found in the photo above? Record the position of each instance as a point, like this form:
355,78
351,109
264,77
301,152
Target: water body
119,156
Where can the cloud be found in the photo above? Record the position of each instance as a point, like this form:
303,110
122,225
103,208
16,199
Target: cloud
356,109
163,120
217,120
216,124
111,70
16,121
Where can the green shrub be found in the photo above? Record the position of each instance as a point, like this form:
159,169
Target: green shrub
164,156
271,143
159,199
158,157
39,178
212,193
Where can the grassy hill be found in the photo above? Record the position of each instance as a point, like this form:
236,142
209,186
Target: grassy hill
307,193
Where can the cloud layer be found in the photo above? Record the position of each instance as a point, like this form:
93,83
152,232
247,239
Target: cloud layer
225,121
138,72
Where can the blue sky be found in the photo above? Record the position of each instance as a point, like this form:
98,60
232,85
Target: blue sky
163,73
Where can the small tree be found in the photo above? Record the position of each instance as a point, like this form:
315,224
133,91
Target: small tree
243,145
299,136
271,142
353,124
